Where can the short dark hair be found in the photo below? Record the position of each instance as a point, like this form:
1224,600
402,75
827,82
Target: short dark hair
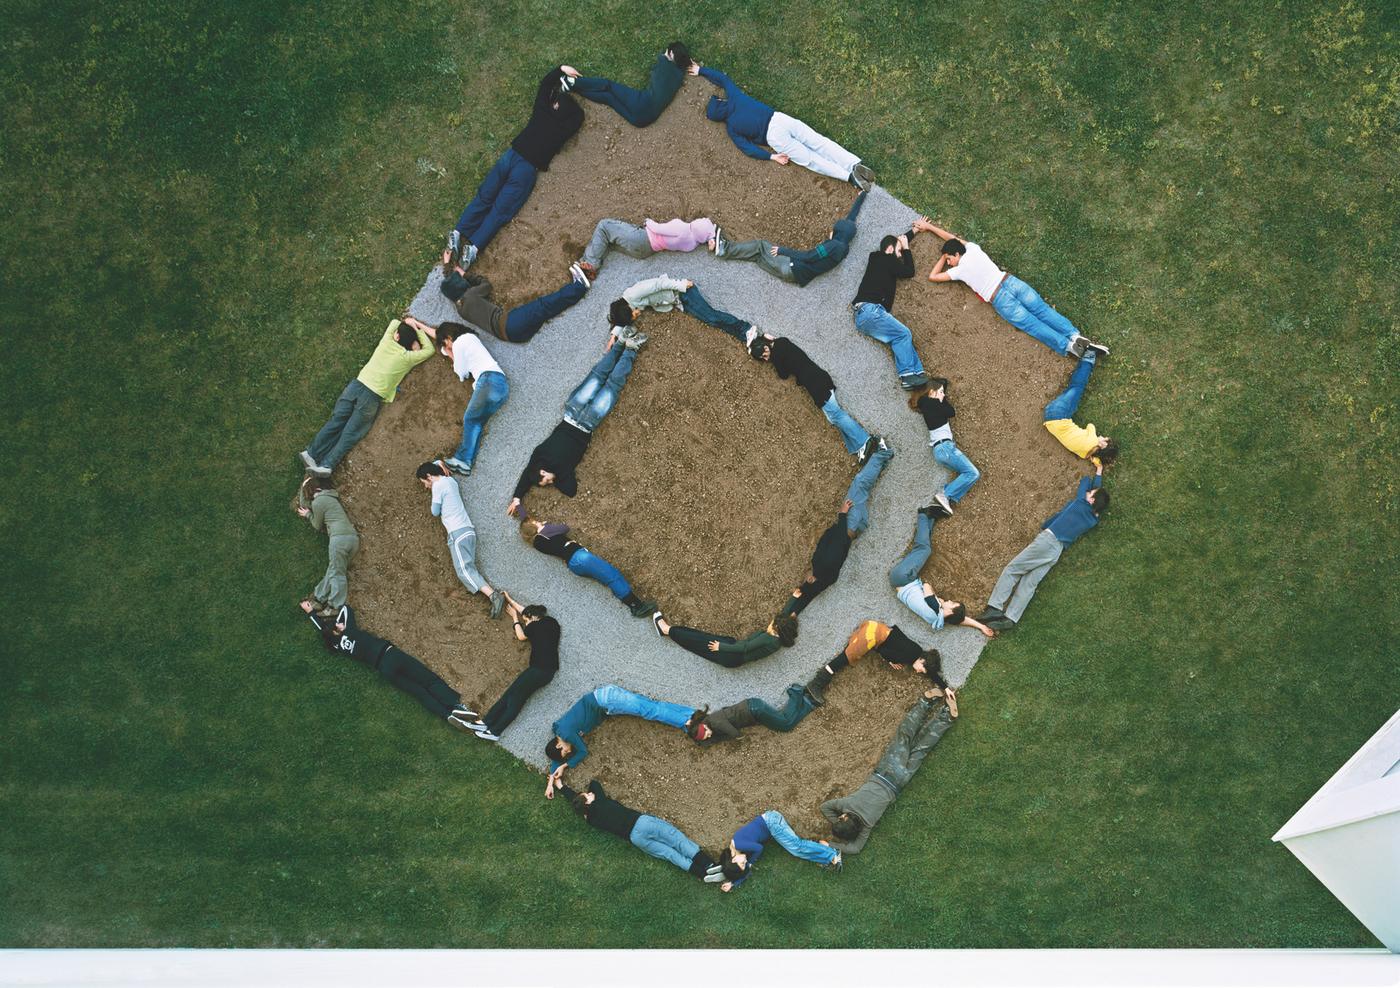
553,751
958,616
430,469
1108,454
449,331
887,242
535,611
406,336
580,804
846,827
934,383
757,344
697,717
730,869
954,246
786,627
1100,504
933,667
680,53
620,312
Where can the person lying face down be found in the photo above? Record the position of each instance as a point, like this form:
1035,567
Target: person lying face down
737,860
567,748
729,652
708,726
657,837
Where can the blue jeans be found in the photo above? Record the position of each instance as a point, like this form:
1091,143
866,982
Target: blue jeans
618,702
499,197
664,840
947,454
858,518
638,108
596,396
853,434
1067,402
798,706
696,305
524,321
906,571
798,847
1021,305
353,414
584,563
876,323
489,393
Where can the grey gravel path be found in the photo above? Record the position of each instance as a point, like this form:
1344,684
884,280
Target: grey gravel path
601,643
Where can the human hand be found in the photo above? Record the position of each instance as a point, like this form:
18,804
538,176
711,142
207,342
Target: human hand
303,511
923,223
847,505
689,284
988,632
727,887
514,507
781,159
713,646
773,250
569,70
693,69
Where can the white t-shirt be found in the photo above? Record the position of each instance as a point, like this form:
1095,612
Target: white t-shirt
447,504
471,359
977,271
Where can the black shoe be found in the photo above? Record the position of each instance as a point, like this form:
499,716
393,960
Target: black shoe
935,511
911,381
868,450
991,614
1000,624
643,608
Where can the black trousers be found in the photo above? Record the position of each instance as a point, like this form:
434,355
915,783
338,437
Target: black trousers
418,681
508,707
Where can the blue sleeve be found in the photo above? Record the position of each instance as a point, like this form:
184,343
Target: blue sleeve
920,607
1083,487
748,146
580,752
1097,481
719,79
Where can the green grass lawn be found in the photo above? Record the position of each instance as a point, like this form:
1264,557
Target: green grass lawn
210,211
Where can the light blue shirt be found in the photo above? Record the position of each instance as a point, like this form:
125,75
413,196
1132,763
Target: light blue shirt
912,594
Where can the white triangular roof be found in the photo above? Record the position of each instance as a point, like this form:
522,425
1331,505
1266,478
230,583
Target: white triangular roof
1367,786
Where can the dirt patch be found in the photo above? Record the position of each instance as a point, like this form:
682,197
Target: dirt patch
703,443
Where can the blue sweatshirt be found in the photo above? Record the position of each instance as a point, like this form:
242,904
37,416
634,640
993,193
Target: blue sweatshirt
751,838
577,721
807,264
1077,517
745,117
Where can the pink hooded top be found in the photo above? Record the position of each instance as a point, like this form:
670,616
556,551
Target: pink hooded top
680,235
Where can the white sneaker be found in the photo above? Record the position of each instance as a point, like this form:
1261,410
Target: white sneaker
944,503
577,274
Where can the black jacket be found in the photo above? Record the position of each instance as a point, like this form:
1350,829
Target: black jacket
606,813
790,360
560,454
881,272
550,126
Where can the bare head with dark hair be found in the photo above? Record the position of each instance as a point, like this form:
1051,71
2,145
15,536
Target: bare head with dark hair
407,337
784,628
953,247
846,827
428,473
621,313
1098,500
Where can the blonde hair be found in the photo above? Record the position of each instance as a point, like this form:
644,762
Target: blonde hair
529,528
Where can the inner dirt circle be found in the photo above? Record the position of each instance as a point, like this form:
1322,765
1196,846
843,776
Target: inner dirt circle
710,482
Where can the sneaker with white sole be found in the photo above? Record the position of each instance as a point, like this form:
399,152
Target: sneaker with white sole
1097,348
307,461
485,734
944,503
576,273
457,466
635,341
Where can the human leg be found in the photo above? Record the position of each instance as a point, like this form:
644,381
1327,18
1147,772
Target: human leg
1042,548
620,702
461,545
364,408
872,320
593,383
611,389
512,701
1066,403
855,206
858,518
333,588
696,641
922,728
760,251
947,454
514,189
906,571
695,304
524,321
664,840
630,104
489,393
853,434
798,847
324,441
584,563
1013,302
485,197
804,146
798,705
406,673
1026,587
612,234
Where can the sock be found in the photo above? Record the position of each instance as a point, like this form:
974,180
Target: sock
838,663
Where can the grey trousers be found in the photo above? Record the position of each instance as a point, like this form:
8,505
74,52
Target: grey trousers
761,251
333,588
617,235
1023,574
462,545
916,737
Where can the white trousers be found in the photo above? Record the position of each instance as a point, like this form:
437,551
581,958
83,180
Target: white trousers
790,136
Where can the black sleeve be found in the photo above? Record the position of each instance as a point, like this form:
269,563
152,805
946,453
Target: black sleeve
529,476
347,618
596,788
567,483
567,792
905,262
544,96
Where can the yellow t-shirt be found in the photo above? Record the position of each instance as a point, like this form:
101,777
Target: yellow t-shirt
390,362
1081,441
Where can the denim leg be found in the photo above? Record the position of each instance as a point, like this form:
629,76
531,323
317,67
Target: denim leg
611,389
362,415
855,207
853,434
489,393
620,702
1044,311
664,840
875,322
1030,580
514,189
696,305
761,251
1064,405
797,707
947,454
907,569
524,321
617,235
485,197
584,563
798,847
630,104
1010,303
917,735
325,440
858,518
590,385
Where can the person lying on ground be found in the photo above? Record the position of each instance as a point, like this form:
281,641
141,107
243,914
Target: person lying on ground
567,748
730,652
835,543
677,235
888,642
787,263
471,295
791,361
737,860
551,538
1083,441
916,594
461,533
533,624
890,263
664,293
708,726
641,108
657,837
1018,581
554,462
319,504
932,403
403,347
751,123
554,119
471,361
853,817
342,636
1014,300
